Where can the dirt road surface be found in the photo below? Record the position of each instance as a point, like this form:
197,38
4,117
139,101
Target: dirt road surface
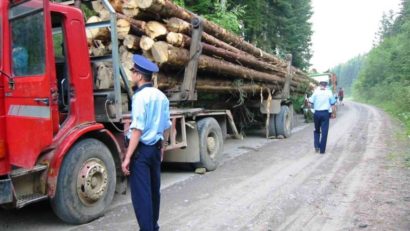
359,184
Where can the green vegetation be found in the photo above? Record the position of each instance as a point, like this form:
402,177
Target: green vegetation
348,72
384,79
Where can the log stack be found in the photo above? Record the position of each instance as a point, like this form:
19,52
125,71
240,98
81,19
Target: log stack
161,31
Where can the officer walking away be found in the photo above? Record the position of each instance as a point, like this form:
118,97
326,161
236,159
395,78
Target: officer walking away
341,94
149,131
323,103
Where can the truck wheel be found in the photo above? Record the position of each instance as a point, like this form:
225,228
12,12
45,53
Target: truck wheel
281,124
86,183
210,143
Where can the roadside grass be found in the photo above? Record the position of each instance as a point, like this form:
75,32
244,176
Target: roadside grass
401,157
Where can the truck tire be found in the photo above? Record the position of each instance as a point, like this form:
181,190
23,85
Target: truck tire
86,183
210,143
281,124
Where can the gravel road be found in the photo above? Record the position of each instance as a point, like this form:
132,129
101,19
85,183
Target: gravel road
359,184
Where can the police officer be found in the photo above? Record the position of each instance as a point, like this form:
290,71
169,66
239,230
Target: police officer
323,104
147,135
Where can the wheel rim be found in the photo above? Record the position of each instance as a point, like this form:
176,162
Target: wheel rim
92,181
212,145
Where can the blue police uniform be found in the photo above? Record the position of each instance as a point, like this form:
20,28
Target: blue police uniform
322,101
150,114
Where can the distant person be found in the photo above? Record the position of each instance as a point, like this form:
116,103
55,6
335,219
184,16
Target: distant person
341,94
323,103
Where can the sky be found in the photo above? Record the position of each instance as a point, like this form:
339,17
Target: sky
343,29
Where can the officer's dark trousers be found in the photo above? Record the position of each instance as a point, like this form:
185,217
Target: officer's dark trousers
321,120
145,182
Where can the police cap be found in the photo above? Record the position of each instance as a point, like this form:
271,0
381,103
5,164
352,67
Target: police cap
143,65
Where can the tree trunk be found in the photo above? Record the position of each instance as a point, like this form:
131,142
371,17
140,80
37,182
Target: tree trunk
136,25
132,42
123,27
181,40
165,53
155,29
146,43
180,26
169,9
104,75
129,9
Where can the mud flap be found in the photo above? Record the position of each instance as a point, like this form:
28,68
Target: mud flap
6,189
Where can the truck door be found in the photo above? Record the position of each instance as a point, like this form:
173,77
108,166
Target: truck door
30,104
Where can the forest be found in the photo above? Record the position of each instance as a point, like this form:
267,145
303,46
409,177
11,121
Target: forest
382,76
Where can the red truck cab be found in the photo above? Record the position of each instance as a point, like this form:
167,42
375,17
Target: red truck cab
51,146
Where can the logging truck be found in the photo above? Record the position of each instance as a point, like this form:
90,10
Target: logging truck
62,138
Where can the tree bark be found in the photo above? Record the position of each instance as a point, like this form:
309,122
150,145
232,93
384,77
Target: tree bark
169,9
180,26
123,28
155,29
132,42
167,54
136,25
181,40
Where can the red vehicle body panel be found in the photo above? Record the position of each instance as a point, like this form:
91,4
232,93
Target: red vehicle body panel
29,123
4,63
27,137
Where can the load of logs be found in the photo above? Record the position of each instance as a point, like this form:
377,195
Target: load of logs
161,31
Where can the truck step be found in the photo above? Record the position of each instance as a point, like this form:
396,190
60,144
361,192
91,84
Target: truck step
28,199
23,171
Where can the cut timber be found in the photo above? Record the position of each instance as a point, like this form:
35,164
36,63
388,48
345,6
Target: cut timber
102,34
98,6
155,29
217,85
178,57
169,9
126,57
97,48
104,15
136,25
104,74
92,33
160,52
130,12
145,4
218,43
146,43
180,26
131,42
181,40
130,8
123,27
148,55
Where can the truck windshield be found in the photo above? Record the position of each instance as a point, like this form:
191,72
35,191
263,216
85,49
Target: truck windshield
27,38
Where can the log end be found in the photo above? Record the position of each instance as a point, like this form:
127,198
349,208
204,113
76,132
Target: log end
146,43
155,29
160,52
175,39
